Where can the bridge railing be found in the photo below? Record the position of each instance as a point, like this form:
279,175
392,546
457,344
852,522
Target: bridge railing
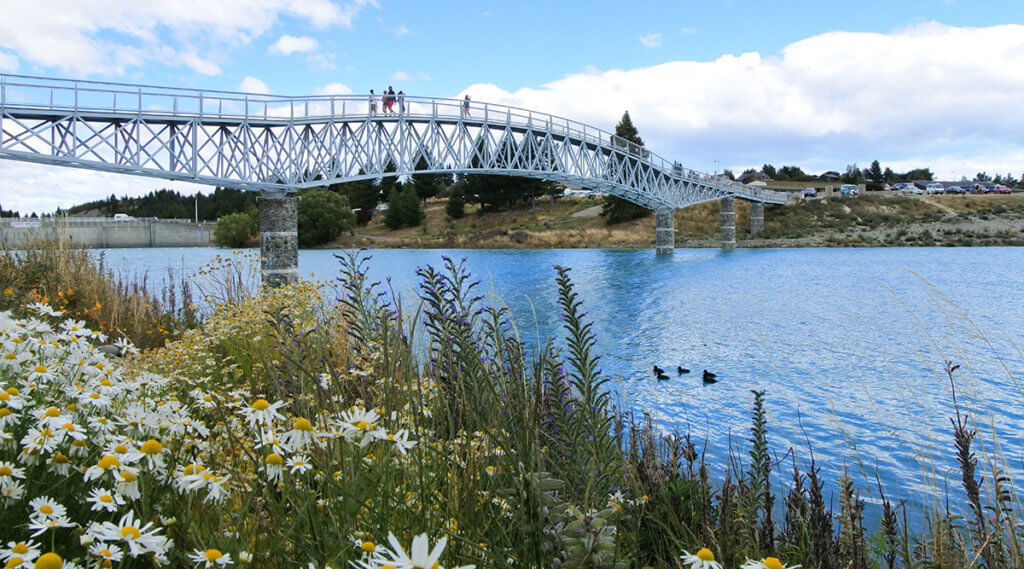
83,97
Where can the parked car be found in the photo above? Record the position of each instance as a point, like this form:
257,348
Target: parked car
935,188
849,189
1001,189
980,189
955,190
911,191
810,192
900,186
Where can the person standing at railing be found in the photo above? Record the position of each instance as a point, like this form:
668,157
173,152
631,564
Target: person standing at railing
373,103
465,106
401,102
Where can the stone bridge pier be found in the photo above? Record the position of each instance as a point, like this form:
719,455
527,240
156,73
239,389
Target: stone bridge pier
728,208
279,238
664,231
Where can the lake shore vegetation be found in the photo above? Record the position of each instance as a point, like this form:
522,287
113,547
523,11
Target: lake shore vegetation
286,430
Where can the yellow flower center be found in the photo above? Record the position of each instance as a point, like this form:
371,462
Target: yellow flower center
78,443
53,412
303,424
46,509
130,532
151,447
4,411
69,427
106,382
274,459
260,404
128,477
705,554
49,561
107,499
13,562
363,425
6,471
13,390
772,563
213,555
368,546
41,369
108,462
60,458
194,469
121,449
20,549
106,553
10,356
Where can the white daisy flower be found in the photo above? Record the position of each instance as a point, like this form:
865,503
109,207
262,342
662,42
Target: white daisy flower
102,499
703,559
767,563
299,464
140,538
210,558
106,554
26,550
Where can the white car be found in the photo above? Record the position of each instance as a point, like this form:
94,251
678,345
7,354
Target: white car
935,189
911,191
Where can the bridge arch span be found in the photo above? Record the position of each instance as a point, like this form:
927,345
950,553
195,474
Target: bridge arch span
276,145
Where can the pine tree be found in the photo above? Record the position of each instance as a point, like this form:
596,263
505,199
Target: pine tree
615,209
876,180
427,185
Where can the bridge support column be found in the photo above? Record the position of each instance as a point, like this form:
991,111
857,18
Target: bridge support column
665,231
279,237
756,218
728,223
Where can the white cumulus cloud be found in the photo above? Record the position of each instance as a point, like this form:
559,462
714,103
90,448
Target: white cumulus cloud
288,45
650,40
921,94
253,85
110,37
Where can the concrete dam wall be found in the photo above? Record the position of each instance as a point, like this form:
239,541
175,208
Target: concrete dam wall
99,233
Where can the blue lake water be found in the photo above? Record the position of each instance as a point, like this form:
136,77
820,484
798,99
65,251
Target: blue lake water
848,344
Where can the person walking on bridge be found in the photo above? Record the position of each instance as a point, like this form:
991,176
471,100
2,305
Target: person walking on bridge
373,103
465,106
401,102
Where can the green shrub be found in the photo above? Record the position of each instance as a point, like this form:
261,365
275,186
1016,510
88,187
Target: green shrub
234,230
323,216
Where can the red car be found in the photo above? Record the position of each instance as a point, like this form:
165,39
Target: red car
1002,190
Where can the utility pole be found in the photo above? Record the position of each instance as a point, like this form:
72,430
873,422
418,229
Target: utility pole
197,209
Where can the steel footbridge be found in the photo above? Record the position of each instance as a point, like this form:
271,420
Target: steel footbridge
276,145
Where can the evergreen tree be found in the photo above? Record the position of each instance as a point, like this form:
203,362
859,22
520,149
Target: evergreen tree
615,209
496,192
427,185
456,206
876,180
362,195
404,208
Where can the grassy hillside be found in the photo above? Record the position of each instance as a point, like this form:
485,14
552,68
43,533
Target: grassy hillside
870,220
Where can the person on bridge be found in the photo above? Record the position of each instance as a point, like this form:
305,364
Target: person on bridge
391,99
401,102
465,106
373,103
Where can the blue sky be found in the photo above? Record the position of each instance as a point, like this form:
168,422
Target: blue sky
713,84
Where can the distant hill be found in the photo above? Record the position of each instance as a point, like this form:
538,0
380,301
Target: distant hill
170,204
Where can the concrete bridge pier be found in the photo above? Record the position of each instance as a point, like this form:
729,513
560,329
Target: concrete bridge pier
728,206
279,238
664,231
756,218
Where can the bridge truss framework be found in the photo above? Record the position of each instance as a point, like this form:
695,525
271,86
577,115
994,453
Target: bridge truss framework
276,145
